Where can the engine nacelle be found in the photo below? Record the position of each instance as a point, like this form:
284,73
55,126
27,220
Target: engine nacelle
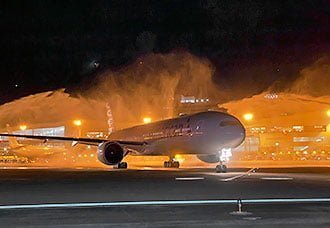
110,153
209,158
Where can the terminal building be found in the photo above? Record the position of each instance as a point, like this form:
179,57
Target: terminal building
284,127
65,128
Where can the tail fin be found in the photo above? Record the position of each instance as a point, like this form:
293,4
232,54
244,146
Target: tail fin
13,143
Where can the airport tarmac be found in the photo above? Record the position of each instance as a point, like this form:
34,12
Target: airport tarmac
151,197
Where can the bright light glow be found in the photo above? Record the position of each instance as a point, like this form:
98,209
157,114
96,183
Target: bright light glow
328,113
23,127
248,116
179,158
225,154
146,120
77,122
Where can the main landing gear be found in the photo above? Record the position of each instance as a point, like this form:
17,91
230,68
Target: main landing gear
171,163
121,165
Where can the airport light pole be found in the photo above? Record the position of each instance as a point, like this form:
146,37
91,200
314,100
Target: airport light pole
23,127
248,116
328,125
78,123
146,120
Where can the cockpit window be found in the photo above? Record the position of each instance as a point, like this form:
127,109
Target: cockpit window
229,123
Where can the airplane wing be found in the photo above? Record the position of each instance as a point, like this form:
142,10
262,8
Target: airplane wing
89,141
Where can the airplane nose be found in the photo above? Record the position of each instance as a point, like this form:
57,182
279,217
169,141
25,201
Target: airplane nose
234,130
237,136
243,135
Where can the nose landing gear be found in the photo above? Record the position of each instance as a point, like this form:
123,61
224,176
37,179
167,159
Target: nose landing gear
221,168
224,155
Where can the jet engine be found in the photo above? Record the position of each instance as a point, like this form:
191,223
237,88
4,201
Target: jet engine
110,153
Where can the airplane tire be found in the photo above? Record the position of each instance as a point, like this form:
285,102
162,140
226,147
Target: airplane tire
176,164
171,164
221,168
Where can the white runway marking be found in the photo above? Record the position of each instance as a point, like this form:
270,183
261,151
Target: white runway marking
252,218
165,202
238,176
276,178
15,179
189,178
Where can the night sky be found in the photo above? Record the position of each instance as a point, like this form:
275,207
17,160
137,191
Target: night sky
53,44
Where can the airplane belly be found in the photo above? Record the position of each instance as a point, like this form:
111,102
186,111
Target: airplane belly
176,145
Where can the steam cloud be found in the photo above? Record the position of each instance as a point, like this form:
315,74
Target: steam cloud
151,86
314,80
49,107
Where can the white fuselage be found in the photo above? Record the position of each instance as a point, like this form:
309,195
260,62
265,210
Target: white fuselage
201,133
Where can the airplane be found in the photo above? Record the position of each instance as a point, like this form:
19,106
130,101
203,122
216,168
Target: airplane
210,135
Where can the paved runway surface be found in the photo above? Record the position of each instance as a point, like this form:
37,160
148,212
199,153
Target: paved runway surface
58,197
